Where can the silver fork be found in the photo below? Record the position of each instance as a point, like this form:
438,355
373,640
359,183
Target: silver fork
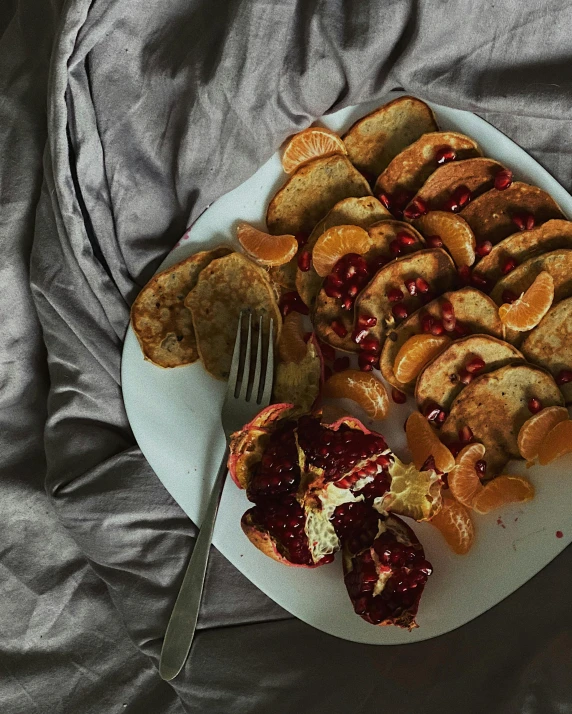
237,410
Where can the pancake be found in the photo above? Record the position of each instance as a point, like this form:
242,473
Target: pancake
474,310
409,170
312,191
439,383
478,175
550,343
549,236
373,141
495,406
490,215
224,288
361,212
160,320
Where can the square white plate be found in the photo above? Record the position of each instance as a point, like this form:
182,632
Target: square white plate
175,416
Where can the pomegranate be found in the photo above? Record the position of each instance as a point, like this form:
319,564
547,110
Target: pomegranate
306,480
481,468
292,302
534,405
339,329
483,248
415,209
508,266
398,396
503,179
475,365
349,275
434,242
564,376
304,261
445,154
385,575
524,221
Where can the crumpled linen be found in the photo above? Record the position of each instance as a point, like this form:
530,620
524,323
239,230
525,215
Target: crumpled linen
150,112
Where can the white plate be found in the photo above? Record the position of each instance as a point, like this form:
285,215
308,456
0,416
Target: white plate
175,418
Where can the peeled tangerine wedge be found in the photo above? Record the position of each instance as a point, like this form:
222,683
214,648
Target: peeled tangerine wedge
310,144
264,248
526,312
291,345
464,481
467,488
534,431
455,233
415,353
337,242
362,388
455,523
556,444
423,442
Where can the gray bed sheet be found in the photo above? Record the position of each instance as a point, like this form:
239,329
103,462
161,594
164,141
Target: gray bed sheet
119,122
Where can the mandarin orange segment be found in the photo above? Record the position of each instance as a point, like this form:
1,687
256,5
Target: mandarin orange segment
464,481
535,430
416,353
337,242
529,309
310,144
291,345
455,233
265,248
502,491
362,388
456,525
557,443
423,442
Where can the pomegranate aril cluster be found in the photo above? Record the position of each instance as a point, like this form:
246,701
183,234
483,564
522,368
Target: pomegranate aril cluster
348,277
278,472
292,302
460,197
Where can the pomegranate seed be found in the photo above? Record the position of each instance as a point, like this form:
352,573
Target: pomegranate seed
481,467
450,205
434,242
447,309
475,365
302,239
534,405
465,274
348,303
429,464
462,195
327,372
366,321
370,344
292,302
339,329
399,311
426,322
445,154
564,376
449,324
509,297
484,248
385,200
524,221
395,247
394,295
352,290
422,285
437,328
359,335
432,411
341,363
363,364
328,352
411,287
465,377
465,435
461,329
369,357
405,239
503,179
508,265
415,209
479,282
441,417
332,292
455,448
304,261
398,396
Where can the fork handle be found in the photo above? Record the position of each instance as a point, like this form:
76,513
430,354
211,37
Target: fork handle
183,622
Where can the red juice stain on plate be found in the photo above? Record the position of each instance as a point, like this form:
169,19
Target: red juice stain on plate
559,534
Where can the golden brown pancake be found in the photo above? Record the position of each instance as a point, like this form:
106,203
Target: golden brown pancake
373,141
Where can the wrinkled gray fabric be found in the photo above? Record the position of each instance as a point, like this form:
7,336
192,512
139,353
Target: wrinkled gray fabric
151,111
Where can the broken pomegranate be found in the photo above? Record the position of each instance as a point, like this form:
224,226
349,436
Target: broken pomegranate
386,574
306,480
